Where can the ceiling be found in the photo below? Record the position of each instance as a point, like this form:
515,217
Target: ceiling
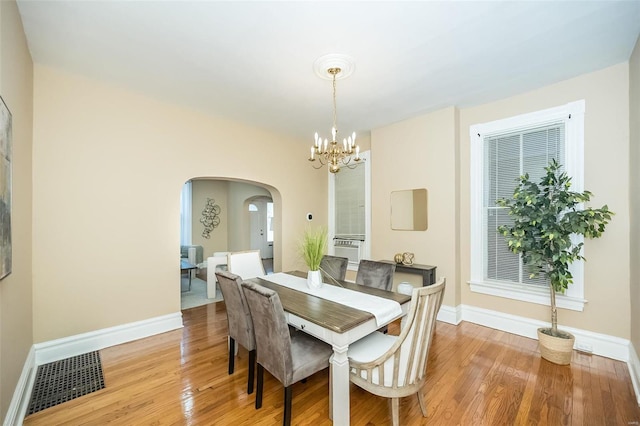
253,61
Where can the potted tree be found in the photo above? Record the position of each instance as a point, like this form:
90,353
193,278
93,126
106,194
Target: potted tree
313,248
546,215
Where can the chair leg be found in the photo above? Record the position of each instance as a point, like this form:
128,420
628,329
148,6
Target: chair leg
252,367
259,387
423,407
287,406
232,348
395,411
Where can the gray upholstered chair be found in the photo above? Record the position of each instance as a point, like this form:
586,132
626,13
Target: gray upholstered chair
334,267
239,321
375,274
288,357
396,366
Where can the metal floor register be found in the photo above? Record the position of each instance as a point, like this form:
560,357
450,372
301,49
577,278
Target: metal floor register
64,380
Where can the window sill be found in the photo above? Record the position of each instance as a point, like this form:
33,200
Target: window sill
526,294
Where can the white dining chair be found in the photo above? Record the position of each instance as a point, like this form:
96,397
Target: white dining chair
215,263
396,366
247,264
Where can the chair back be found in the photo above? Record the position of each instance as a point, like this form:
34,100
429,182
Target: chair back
375,274
334,267
273,342
404,365
247,264
238,314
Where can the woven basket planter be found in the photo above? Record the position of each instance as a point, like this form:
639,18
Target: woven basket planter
556,349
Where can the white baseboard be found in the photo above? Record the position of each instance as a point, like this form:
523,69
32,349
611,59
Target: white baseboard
54,350
22,393
450,315
596,343
634,371
66,347
588,341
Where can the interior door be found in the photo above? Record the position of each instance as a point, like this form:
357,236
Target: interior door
258,218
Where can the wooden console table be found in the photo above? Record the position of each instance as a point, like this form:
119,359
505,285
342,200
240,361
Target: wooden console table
428,272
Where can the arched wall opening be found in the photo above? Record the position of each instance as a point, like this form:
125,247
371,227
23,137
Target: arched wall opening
233,233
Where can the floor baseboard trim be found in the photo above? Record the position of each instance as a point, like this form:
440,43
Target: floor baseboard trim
66,347
587,341
22,393
634,371
450,315
55,350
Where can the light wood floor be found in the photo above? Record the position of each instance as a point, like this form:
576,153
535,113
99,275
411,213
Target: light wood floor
476,376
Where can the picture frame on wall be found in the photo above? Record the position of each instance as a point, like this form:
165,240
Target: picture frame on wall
5,189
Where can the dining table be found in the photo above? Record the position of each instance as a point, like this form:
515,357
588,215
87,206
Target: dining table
328,318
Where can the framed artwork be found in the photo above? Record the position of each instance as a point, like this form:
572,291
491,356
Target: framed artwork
5,189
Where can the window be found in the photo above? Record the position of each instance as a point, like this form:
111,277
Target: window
501,151
350,206
185,214
349,196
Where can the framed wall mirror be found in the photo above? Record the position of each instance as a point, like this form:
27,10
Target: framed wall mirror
409,210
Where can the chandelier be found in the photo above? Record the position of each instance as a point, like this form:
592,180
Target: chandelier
331,153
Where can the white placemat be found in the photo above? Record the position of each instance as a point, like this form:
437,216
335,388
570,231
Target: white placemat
384,310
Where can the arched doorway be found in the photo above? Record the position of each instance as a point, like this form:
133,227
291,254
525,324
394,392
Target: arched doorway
239,228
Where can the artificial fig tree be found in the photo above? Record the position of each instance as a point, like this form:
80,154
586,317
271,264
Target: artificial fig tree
546,215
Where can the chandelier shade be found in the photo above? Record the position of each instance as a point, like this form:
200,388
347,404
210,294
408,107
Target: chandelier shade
330,152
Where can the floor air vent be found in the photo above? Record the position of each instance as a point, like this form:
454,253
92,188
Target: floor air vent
64,380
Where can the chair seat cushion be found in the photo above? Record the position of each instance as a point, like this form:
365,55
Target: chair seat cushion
370,348
308,354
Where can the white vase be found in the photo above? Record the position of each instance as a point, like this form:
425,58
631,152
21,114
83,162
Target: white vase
314,279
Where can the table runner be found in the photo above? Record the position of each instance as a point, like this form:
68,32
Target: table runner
384,310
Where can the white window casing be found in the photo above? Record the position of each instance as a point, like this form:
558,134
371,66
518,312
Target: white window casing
569,117
349,224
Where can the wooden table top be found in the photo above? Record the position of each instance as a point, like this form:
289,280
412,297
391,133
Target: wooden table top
331,315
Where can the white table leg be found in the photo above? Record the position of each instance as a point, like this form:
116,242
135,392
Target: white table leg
339,406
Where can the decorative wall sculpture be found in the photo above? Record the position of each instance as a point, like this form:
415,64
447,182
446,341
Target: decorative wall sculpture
210,217
5,189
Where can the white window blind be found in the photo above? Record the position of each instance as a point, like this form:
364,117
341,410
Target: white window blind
350,201
501,151
509,156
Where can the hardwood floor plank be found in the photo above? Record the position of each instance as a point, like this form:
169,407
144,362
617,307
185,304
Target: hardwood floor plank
475,376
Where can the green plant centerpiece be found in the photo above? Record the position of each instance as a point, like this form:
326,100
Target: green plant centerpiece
546,215
313,248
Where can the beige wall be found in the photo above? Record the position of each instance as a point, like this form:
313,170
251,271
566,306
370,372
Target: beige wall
634,178
218,190
606,93
233,232
108,169
418,153
436,148
16,88
239,222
